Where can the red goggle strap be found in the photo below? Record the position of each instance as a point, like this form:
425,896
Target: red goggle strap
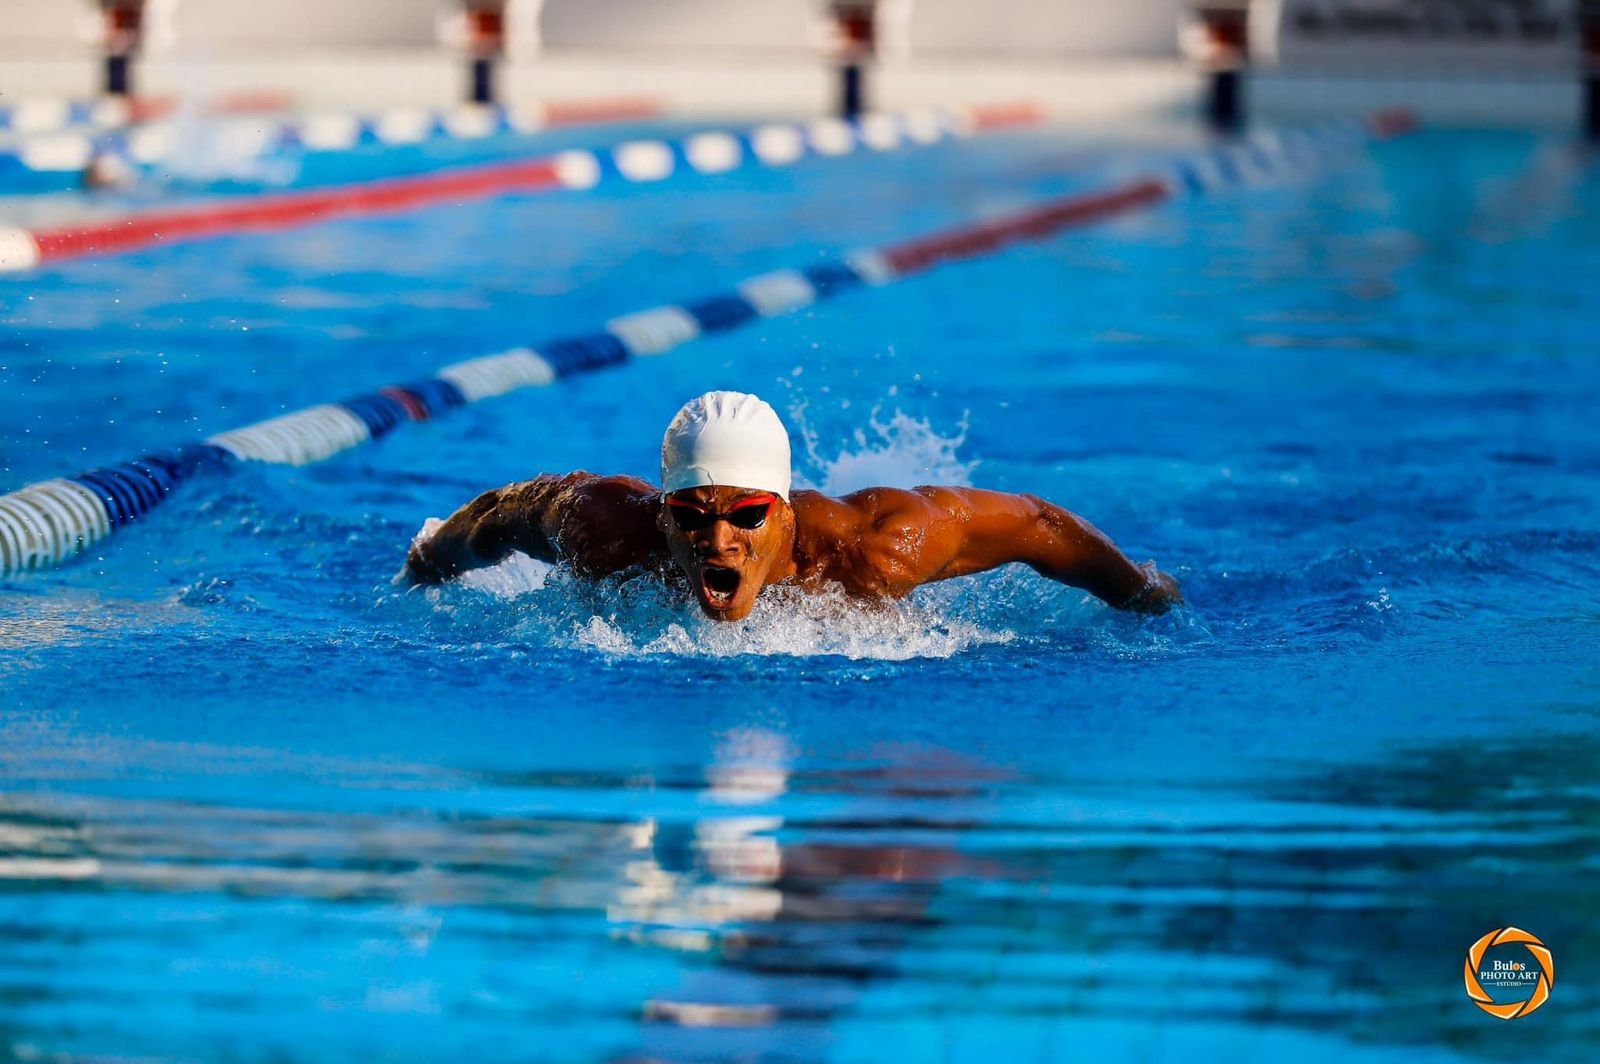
754,500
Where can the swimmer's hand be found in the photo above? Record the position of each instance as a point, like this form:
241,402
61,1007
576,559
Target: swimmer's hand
1159,594
419,568
408,578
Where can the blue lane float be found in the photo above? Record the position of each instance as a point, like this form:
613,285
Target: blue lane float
54,521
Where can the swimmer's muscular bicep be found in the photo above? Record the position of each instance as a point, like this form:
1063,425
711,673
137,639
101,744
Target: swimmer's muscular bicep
903,538
603,525
986,529
935,533
976,530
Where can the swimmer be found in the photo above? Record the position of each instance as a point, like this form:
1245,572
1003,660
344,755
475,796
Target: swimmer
724,525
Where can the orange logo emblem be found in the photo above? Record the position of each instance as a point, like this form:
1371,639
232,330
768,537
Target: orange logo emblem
1516,986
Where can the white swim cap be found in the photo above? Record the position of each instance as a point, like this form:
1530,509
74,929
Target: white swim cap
726,438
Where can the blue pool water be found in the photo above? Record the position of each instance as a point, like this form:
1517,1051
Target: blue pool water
255,803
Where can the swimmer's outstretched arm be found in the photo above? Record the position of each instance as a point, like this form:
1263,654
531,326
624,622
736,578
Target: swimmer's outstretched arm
950,532
599,524
481,533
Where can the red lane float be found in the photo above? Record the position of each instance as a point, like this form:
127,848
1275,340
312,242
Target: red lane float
583,112
247,102
1031,224
1394,122
988,117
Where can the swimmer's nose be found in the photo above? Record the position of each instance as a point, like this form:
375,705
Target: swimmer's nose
719,539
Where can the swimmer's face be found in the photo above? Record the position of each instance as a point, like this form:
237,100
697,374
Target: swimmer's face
727,541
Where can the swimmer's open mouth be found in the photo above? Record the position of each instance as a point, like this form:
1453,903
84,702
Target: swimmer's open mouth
719,584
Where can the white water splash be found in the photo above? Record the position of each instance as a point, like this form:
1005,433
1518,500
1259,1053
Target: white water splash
207,149
899,453
785,622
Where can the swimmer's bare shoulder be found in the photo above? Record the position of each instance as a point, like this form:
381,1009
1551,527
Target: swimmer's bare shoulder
904,538
597,524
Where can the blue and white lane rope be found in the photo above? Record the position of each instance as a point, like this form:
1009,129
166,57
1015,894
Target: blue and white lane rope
54,521
50,114
240,140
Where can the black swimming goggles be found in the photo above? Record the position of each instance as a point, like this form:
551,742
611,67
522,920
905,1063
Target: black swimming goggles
748,514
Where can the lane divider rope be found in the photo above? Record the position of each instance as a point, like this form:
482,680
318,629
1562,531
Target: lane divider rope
56,520
49,114
776,144
149,144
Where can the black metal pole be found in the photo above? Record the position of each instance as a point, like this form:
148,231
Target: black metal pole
483,79
1589,50
851,86
1591,102
1225,104
118,75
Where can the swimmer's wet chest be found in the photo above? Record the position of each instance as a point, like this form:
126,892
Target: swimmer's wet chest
844,564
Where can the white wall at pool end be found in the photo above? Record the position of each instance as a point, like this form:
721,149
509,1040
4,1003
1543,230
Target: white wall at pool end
42,28
1129,29
751,28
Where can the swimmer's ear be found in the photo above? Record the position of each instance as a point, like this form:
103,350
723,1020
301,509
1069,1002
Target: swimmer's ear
663,519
